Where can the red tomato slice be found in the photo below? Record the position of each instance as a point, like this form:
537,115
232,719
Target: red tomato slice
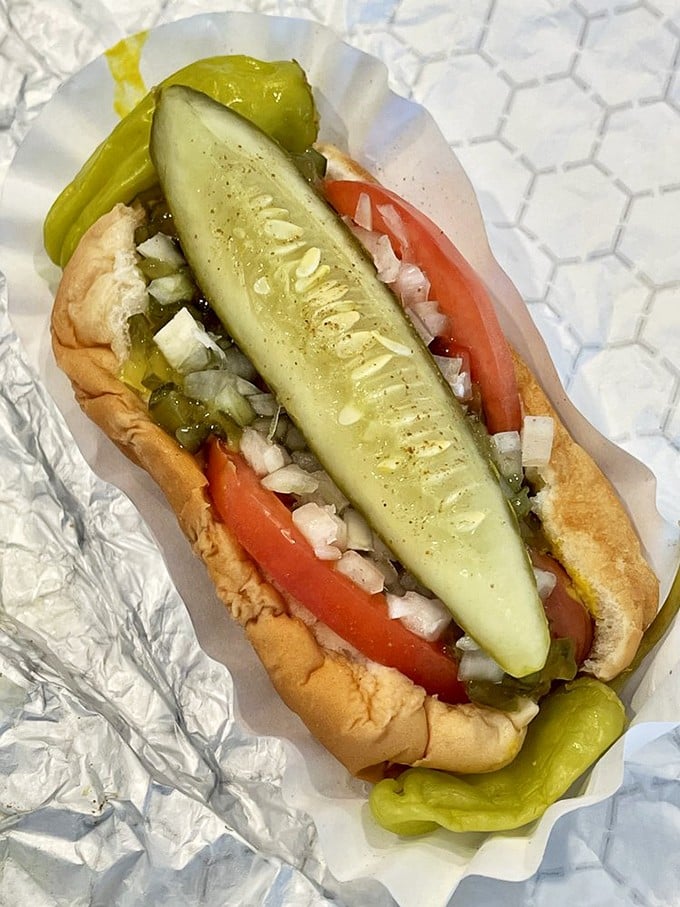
265,528
461,295
568,617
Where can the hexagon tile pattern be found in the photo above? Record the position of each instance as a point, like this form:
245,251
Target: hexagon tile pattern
567,119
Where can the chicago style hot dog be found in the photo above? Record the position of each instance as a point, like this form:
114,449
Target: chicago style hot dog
413,579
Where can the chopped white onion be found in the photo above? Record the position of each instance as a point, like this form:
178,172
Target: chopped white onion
323,529
410,285
359,533
260,454
217,387
545,582
238,363
467,644
385,260
426,617
475,664
537,440
161,247
245,387
380,249
172,288
264,404
186,344
421,329
367,238
459,382
394,223
327,491
507,452
361,571
363,215
290,479
433,319
389,571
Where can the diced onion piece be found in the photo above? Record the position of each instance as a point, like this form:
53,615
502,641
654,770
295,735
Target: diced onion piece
426,617
421,329
161,247
475,664
367,238
363,216
327,491
467,644
324,531
262,456
459,381
394,223
290,479
217,388
361,571
247,388
385,260
462,387
186,344
264,404
450,367
410,285
545,582
433,319
359,533
238,363
537,440
507,452
172,288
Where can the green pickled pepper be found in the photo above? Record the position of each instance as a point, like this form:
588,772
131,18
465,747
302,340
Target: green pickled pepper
274,95
575,726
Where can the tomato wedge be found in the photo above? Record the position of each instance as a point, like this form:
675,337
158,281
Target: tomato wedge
568,617
461,295
265,528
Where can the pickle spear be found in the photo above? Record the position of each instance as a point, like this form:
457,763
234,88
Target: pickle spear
301,299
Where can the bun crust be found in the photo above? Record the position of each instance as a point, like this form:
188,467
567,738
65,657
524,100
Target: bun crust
589,531
369,716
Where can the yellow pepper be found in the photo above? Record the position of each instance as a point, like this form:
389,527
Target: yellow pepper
276,96
575,726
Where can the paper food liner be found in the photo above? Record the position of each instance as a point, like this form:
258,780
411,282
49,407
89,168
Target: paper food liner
399,142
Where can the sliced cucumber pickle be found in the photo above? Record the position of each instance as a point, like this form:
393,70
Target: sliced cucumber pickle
301,299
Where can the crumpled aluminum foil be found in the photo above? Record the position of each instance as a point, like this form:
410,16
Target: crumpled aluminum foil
126,778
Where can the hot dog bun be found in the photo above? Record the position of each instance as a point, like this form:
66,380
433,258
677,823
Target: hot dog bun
370,717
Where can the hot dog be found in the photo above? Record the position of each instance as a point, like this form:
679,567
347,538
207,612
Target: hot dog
371,716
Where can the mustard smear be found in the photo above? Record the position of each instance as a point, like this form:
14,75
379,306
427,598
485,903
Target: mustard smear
124,59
